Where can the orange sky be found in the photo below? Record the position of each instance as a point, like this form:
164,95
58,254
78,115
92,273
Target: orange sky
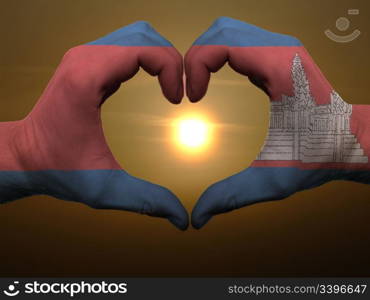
35,34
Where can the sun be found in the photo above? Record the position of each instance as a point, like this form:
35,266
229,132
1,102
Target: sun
193,133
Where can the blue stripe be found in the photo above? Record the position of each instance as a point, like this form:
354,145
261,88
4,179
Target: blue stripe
87,186
272,183
60,184
259,184
261,181
234,33
107,189
137,34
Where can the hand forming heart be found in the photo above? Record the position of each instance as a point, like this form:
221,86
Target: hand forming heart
314,136
59,148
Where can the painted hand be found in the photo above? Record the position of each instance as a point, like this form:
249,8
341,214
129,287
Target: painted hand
314,136
59,149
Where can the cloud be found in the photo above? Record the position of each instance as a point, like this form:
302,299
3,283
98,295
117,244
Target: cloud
160,121
141,118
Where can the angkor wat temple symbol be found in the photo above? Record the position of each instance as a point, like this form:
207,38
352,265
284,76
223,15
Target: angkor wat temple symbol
302,130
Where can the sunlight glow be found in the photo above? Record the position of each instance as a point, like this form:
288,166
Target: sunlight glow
192,133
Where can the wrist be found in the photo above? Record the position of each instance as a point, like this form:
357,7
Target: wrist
10,154
14,182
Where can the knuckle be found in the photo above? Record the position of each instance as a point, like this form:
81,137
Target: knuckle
222,21
76,71
174,59
227,32
178,58
72,53
142,26
295,40
144,36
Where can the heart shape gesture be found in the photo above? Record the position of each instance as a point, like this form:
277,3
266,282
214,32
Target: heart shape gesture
314,135
59,149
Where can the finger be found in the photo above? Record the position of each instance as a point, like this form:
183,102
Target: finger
156,55
206,55
167,64
199,63
102,65
253,185
246,47
126,192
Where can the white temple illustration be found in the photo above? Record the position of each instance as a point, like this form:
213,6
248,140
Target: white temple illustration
302,130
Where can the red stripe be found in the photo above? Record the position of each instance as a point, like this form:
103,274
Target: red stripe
274,64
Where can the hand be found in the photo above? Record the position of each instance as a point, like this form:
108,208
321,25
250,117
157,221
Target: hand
59,149
314,136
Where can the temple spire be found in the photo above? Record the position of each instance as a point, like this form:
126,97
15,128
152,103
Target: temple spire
300,83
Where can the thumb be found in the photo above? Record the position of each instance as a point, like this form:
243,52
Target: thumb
126,192
253,185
